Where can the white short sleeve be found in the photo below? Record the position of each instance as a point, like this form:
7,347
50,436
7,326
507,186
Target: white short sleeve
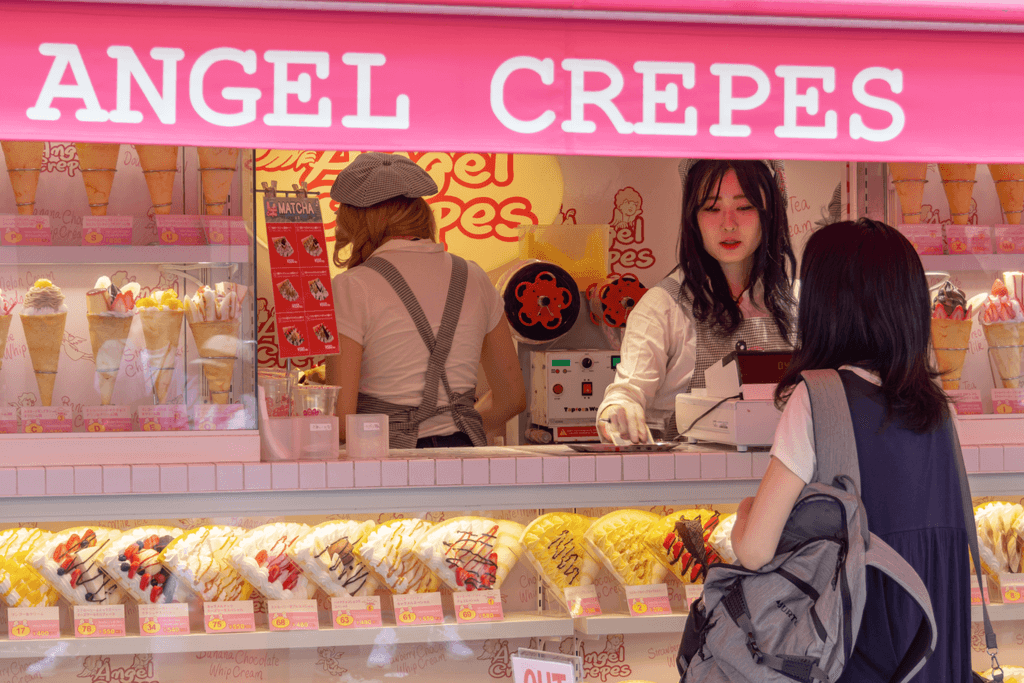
350,307
794,437
493,306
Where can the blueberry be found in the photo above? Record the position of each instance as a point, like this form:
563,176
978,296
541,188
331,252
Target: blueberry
89,597
60,572
125,566
122,557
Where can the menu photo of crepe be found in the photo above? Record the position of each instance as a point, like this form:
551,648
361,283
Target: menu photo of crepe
317,289
294,337
323,333
288,290
283,247
312,246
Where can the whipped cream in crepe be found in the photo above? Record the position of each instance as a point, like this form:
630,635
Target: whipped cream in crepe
951,303
44,298
223,301
109,300
999,306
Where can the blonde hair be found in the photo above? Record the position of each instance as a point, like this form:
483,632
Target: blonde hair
367,229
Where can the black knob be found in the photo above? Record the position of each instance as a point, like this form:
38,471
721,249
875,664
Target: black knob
587,362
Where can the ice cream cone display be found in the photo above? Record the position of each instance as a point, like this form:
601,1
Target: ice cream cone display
1009,181
909,180
98,163
160,167
24,163
43,316
214,316
162,315
5,324
1002,319
958,183
110,311
951,333
217,166
471,553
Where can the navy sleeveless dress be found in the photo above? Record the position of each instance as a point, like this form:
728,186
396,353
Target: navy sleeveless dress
912,497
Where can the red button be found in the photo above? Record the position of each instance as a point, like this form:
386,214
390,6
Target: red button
557,388
588,389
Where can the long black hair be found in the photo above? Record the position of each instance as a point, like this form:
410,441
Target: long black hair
864,301
704,283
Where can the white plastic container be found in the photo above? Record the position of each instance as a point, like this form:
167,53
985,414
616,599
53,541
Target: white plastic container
366,437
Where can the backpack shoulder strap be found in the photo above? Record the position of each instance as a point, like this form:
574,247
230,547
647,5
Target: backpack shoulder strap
835,446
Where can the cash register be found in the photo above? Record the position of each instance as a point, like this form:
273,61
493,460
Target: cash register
737,407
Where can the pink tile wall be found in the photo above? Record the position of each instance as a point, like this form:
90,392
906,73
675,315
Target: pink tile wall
8,481
145,478
448,472
421,473
990,458
662,466
367,473
32,481
1013,458
89,480
284,475
117,479
556,470
529,470
340,475
688,466
394,473
202,477
258,477
609,467
503,471
713,466
582,468
476,472
230,476
60,481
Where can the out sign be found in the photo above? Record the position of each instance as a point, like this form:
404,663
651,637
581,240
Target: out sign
539,671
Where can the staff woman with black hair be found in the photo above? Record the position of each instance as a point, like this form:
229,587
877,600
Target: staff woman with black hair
733,283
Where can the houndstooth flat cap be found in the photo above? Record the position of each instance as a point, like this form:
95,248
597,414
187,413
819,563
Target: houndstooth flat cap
375,177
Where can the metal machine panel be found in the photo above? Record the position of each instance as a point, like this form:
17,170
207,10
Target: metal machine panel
566,389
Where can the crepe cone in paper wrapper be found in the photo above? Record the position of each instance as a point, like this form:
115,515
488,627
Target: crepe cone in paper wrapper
950,340
44,334
217,341
98,163
909,180
161,330
5,328
958,182
1006,346
24,162
1009,180
160,166
108,336
217,166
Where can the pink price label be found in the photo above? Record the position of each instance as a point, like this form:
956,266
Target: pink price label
107,418
1009,239
9,423
47,420
1012,587
418,609
476,606
925,237
180,230
1007,401
164,620
172,418
213,417
225,230
229,617
102,621
105,231
348,613
25,231
976,592
969,239
33,623
582,601
646,601
966,401
292,615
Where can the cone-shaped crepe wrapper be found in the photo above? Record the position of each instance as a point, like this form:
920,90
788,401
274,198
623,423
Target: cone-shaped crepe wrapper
98,163
24,162
160,166
161,330
1006,347
958,182
950,339
44,334
217,341
5,328
217,166
1009,180
108,335
909,180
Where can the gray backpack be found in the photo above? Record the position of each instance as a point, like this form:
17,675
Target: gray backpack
796,618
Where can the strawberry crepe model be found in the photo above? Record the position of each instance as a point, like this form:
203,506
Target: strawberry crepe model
951,332
133,560
261,556
24,163
43,315
214,315
471,553
162,314
109,311
1002,318
5,324
71,561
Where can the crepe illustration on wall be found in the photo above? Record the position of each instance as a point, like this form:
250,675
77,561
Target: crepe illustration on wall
388,551
98,164
261,556
199,558
160,167
326,554
665,540
555,547
617,541
71,560
133,560
471,553
21,585
24,162
217,166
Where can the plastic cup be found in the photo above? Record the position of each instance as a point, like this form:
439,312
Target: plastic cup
314,399
278,400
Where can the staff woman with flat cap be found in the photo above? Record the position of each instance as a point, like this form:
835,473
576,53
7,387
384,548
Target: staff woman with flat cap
414,321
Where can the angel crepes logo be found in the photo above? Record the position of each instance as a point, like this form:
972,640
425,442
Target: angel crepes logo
330,661
266,340
60,157
498,653
628,233
608,663
99,670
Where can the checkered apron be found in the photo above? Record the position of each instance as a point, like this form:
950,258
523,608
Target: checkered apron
404,421
759,334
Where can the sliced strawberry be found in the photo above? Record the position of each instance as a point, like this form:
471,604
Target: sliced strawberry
89,538
158,579
999,289
73,540
261,557
75,575
68,561
131,551
151,542
59,552
143,581
274,573
154,594
669,540
133,569
290,582
123,302
460,576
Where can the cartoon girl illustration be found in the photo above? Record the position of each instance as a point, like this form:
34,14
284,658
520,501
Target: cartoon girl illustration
627,219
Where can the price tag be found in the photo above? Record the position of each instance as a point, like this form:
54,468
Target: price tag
292,615
1007,401
1012,587
926,238
24,231
103,231
99,621
47,420
33,623
646,601
213,417
225,230
107,418
418,609
966,401
164,620
476,606
976,591
356,612
693,592
969,239
1010,239
9,423
172,418
582,601
180,230
229,617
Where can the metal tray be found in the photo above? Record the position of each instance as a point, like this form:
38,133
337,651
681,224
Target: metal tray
626,448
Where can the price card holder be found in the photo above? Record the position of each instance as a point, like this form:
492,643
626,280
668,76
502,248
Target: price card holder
169,418
966,401
107,418
349,613
103,231
646,601
1007,401
33,623
25,231
180,230
9,423
477,606
292,615
47,420
1012,587
100,621
693,591
229,617
164,620
418,609
582,601
976,591
537,666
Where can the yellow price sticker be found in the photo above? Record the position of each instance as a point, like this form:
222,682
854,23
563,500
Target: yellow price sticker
169,237
216,237
151,627
216,624
407,617
94,237
281,621
14,237
344,620
151,426
639,607
1012,595
20,631
97,427
467,614
86,629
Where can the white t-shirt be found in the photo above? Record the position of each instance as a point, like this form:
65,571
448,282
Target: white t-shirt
394,356
658,353
794,437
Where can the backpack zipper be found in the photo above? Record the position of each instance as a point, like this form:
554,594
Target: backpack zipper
840,561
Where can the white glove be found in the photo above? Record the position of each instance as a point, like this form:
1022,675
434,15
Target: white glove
623,424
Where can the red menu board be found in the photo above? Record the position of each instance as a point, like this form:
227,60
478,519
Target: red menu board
301,277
